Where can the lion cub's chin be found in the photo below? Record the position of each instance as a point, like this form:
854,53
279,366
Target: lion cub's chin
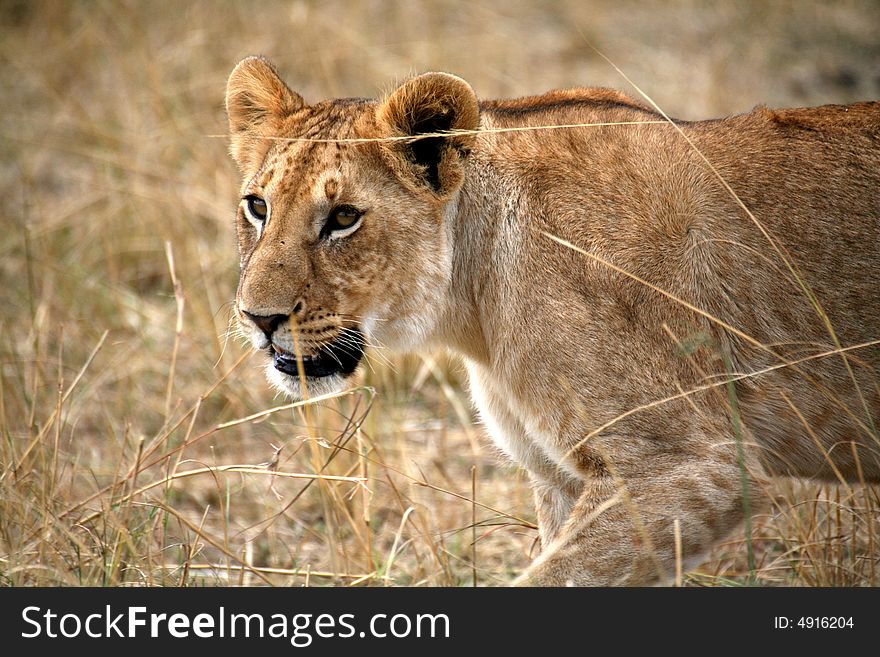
291,387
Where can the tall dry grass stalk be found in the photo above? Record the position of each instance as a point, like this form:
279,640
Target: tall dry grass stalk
140,444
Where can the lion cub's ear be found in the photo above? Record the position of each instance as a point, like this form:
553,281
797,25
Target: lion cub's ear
257,100
430,103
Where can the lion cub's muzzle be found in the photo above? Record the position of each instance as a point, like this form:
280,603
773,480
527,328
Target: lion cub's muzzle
340,355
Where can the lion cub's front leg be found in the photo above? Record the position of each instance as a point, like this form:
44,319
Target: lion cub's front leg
553,506
624,535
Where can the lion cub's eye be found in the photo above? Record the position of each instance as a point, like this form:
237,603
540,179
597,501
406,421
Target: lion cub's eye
256,208
342,221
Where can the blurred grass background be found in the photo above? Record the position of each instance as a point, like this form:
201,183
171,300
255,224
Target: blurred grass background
119,263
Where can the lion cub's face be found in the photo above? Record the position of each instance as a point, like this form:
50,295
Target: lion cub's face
343,242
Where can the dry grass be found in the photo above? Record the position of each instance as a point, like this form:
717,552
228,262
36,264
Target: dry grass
136,444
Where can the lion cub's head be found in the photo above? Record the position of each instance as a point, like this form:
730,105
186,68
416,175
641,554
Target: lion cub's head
342,238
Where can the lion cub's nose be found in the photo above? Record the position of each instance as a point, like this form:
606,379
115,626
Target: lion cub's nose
266,323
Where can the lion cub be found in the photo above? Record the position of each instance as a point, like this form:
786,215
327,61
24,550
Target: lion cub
656,315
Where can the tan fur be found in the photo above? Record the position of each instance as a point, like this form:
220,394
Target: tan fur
452,251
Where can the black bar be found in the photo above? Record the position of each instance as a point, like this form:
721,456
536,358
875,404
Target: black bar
326,621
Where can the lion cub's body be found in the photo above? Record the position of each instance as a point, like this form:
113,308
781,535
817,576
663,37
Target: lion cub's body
600,369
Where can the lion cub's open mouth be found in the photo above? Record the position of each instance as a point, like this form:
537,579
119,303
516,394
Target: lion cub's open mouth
340,356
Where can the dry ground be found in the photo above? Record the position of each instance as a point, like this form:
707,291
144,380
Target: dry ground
117,376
